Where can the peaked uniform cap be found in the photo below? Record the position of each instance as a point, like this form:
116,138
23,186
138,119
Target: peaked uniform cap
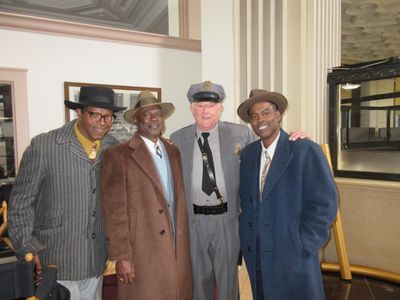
206,91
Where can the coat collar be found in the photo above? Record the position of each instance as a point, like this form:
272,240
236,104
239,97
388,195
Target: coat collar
66,135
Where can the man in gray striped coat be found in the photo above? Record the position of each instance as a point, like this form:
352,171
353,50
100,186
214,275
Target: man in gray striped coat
55,210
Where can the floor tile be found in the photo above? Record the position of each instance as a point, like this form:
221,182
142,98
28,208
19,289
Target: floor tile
383,290
338,289
359,288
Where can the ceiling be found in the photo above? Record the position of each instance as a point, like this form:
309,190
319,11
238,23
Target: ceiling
370,28
141,15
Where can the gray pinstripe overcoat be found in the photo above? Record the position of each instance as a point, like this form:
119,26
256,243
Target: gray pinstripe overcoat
55,205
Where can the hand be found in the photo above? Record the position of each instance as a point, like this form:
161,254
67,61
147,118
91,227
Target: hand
38,269
298,134
125,270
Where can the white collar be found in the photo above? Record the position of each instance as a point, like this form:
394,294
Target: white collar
272,147
151,145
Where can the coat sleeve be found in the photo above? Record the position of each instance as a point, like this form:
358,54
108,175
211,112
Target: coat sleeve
115,206
23,201
321,204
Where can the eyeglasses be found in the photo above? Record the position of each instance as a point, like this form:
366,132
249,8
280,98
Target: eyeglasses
94,116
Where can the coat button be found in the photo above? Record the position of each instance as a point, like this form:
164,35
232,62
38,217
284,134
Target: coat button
93,235
94,213
250,224
94,190
249,248
162,232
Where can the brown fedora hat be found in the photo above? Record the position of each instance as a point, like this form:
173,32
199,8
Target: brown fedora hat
96,96
147,98
258,95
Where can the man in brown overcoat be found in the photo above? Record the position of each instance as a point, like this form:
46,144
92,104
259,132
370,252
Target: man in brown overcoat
144,209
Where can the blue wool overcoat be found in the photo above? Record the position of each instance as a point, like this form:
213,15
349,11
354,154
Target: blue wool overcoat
293,218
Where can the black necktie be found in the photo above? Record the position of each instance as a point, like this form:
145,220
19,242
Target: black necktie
207,185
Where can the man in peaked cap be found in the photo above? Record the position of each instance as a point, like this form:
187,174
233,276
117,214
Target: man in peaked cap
144,209
212,191
55,211
288,200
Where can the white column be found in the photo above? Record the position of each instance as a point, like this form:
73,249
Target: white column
218,49
317,50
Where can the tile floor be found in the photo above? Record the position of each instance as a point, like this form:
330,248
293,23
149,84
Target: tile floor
360,288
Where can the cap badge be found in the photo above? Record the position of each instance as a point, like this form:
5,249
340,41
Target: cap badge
207,85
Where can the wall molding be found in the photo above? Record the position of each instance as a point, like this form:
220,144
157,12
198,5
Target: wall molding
81,30
367,183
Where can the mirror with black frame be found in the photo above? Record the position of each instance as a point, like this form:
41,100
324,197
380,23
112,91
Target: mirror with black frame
364,119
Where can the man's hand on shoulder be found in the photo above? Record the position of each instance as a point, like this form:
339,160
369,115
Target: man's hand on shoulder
298,134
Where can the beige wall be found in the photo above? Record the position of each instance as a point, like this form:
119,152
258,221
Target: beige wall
51,59
370,212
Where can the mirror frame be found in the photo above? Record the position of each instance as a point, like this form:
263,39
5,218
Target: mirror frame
356,74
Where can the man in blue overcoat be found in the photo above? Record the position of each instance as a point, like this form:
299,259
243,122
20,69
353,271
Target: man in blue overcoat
288,202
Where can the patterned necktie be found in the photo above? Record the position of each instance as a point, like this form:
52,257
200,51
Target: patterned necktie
264,172
158,151
93,151
207,186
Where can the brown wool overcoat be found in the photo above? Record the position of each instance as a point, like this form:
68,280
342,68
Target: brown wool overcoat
137,226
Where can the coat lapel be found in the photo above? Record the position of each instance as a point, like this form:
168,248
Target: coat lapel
280,162
253,174
107,141
188,142
141,156
225,150
173,166
173,162
67,135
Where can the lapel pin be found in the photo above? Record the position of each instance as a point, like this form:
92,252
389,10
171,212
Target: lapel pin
237,149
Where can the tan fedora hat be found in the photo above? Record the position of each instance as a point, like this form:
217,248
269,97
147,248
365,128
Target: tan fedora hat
258,95
147,98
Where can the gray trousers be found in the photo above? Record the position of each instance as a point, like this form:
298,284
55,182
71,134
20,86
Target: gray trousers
87,289
215,250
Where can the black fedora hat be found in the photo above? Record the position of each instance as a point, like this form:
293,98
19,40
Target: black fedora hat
96,96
